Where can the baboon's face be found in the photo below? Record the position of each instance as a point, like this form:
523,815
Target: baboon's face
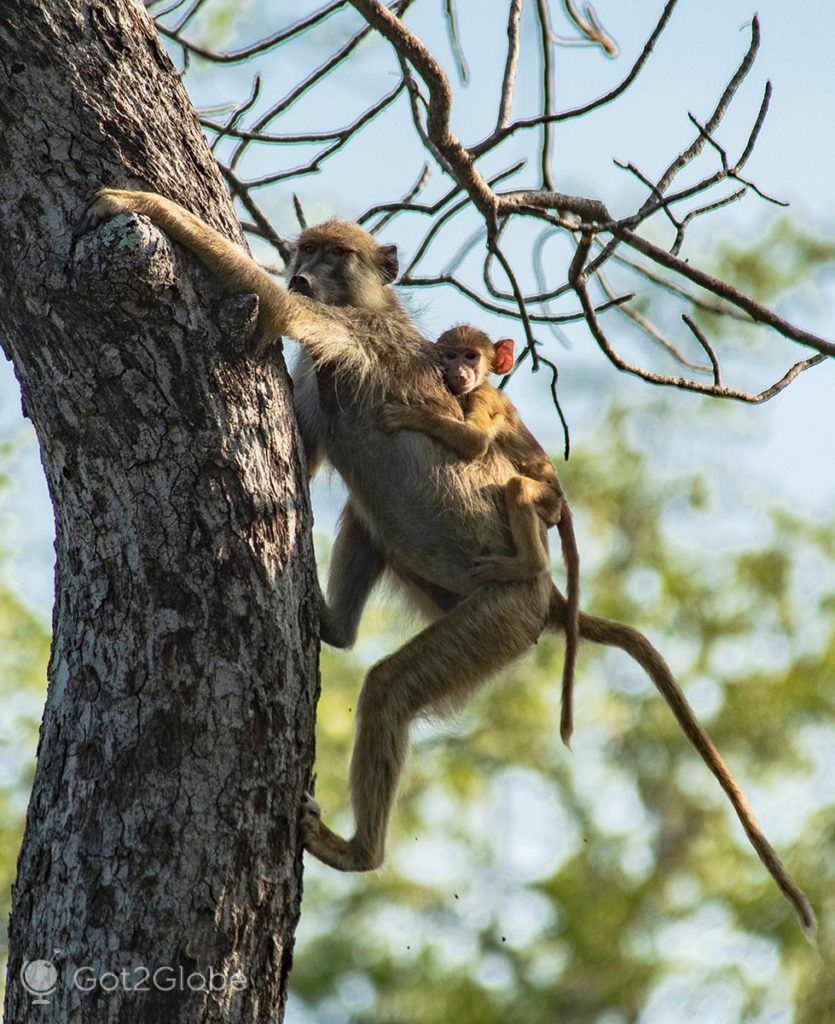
337,263
464,368
321,272
465,355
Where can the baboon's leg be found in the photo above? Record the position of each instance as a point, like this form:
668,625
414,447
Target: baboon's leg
522,497
356,564
432,673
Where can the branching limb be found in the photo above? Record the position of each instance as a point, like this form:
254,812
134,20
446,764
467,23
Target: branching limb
591,28
579,280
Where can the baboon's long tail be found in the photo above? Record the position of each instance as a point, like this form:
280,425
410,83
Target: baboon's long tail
636,645
571,557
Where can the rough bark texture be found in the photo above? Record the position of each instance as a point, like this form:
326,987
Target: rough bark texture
177,736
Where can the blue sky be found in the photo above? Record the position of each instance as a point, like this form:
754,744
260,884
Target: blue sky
783,448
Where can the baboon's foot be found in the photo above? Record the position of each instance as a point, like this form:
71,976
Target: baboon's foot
328,847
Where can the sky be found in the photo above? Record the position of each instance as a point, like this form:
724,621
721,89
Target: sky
786,445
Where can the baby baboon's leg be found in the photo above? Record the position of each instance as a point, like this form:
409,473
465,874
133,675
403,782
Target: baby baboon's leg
432,673
356,564
522,495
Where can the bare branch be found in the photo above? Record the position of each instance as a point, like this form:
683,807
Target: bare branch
493,307
708,305
459,159
536,359
499,136
591,28
300,217
663,203
448,214
543,16
509,79
755,131
717,204
455,40
341,137
726,291
237,114
719,111
731,172
597,235
702,340
406,201
338,134
649,329
578,278
263,46
283,246
308,83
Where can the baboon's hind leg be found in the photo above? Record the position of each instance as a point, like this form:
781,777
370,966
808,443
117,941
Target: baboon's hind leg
432,673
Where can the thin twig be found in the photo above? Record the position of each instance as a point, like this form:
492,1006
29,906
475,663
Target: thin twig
316,76
448,214
300,217
493,307
263,46
649,329
342,138
726,291
455,40
226,129
543,17
414,191
283,246
498,136
711,354
511,63
578,278
293,139
591,28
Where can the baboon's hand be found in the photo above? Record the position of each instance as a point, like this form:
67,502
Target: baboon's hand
107,203
393,416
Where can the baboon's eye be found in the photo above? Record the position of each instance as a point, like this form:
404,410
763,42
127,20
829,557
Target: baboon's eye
471,356
309,248
337,250
449,356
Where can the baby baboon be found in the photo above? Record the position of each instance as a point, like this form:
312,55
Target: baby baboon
415,508
467,357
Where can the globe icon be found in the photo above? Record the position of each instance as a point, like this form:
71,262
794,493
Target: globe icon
39,978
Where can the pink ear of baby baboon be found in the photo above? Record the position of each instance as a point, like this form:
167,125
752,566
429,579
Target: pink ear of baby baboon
503,356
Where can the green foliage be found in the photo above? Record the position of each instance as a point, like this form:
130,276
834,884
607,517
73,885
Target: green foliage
529,884
787,255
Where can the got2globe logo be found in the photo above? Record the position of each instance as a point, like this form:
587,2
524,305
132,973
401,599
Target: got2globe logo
39,978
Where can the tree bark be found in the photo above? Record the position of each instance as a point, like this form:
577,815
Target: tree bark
178,729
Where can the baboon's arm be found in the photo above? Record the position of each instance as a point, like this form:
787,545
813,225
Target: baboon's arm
470,439
280,312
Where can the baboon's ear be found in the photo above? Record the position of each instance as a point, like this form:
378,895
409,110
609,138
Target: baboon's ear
389,264
503,356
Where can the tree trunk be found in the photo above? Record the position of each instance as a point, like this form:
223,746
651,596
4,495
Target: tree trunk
177,736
